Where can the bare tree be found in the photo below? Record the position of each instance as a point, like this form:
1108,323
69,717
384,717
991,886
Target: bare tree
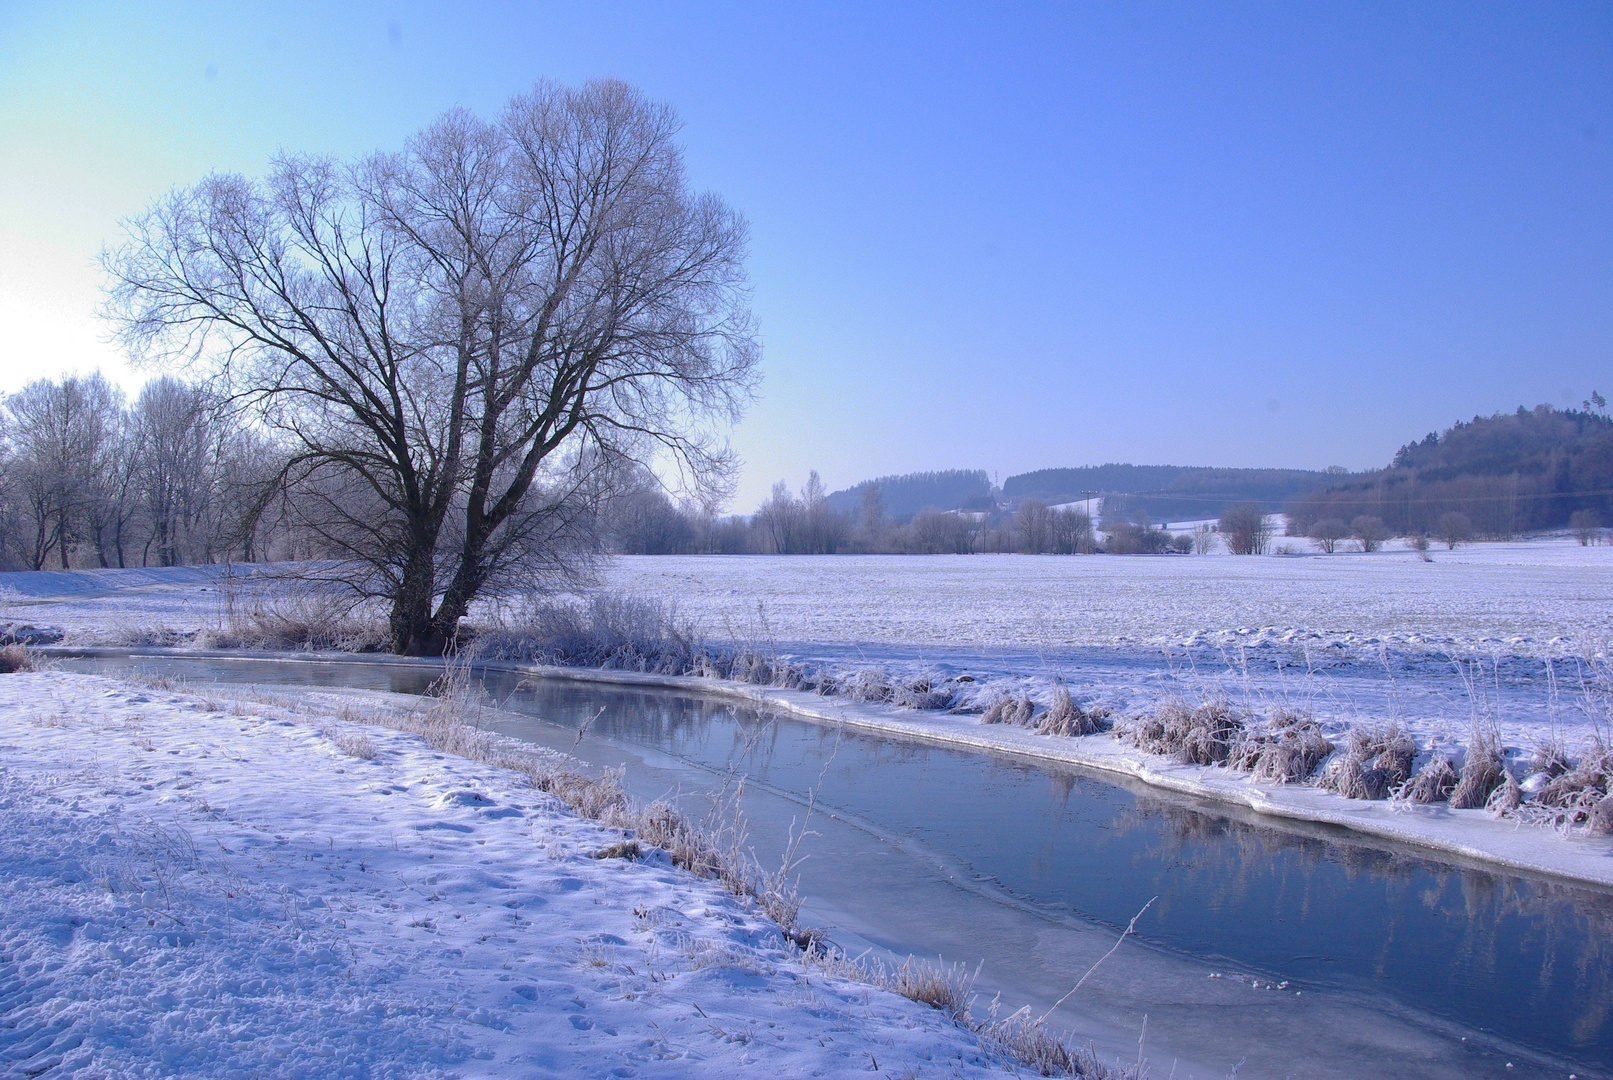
461,341
1070,532
1327,532
1586,525
1369,531
1032,522
1453,528
824,529
65,435
1243,527
871,523
177,445
941,532
780,520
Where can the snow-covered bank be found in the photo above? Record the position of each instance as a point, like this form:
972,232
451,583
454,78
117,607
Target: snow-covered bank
243,892
1469,834
1464,834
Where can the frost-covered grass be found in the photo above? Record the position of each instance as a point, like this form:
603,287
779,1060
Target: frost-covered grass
239,884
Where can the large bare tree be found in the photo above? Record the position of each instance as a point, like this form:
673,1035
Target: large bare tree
461,340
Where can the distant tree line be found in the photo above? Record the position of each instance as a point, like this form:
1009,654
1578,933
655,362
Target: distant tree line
89,478
647,522
1495,476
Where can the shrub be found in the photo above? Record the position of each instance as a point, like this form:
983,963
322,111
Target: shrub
1369,531
1328,532
1244,529
1453,528
1586,525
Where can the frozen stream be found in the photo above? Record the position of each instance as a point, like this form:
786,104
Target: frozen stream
1397,963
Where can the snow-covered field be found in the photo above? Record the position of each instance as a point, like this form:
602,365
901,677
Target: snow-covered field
234,889
1544,597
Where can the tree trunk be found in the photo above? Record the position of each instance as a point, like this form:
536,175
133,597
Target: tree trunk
410,621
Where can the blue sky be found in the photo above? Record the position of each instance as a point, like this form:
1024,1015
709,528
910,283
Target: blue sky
988,236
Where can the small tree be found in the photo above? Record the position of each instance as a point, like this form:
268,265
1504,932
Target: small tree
1453,528
1328,532
1369,531
1244,529
1587,526
871,521
1033,523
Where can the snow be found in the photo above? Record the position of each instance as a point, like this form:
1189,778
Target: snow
208,887
1546,597
1506,638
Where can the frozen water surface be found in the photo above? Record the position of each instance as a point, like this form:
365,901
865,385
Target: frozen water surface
1296,950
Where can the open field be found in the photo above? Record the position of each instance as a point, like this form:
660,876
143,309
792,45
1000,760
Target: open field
1546,597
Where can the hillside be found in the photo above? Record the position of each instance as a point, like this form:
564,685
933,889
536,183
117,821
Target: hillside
906,495
1509,473
1166,492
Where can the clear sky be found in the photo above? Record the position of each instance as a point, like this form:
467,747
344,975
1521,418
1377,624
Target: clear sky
999,236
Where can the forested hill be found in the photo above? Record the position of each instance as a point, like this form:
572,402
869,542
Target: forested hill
1167,492
1508,473
906,495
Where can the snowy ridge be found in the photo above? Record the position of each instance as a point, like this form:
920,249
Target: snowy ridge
227,893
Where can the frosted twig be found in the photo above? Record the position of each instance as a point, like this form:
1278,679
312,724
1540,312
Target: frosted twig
1127,933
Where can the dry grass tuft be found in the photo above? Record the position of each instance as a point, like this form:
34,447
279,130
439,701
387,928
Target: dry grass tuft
1201,736
299,620
1065,717
1506,798
623,849
1549,758
1009,709
1286,749
14,658
1025,1039
351,743
1376,763
1482,773
1433,783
